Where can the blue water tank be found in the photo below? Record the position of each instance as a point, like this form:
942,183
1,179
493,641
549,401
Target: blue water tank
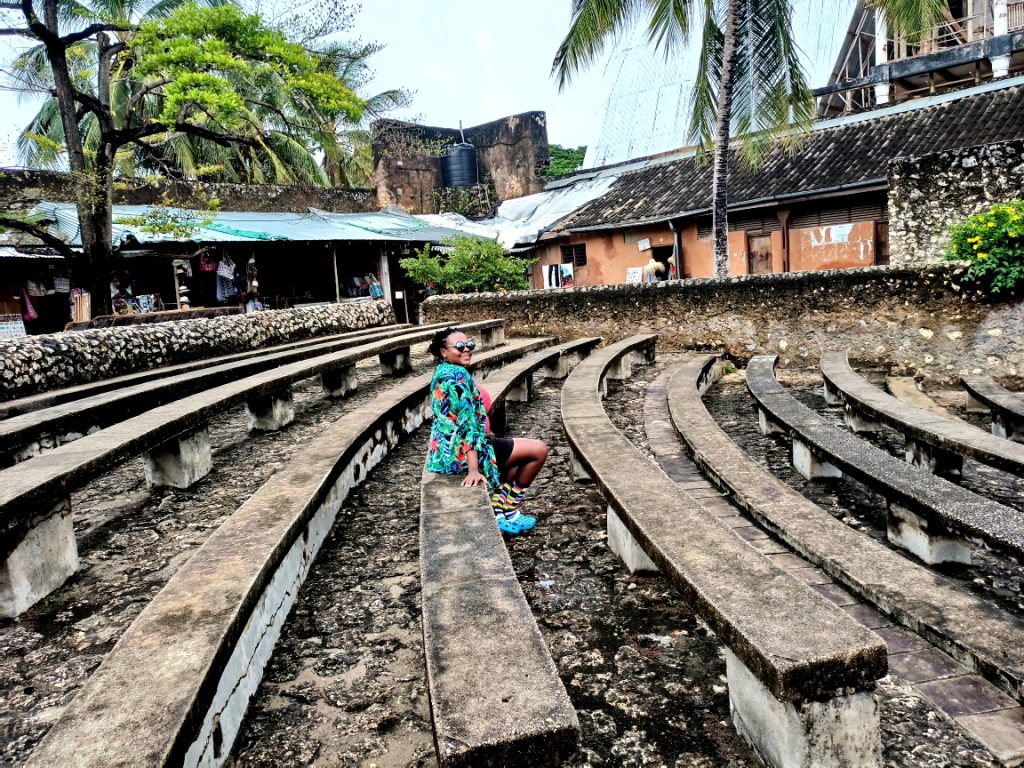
458,167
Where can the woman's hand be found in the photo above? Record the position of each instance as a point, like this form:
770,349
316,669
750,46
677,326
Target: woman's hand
473,478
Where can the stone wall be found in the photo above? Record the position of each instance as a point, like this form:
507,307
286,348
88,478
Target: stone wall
512,155
39,363
927,194
915,321
23,189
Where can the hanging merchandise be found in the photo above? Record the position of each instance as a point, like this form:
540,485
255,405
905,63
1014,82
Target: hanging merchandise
35,288
226,267
207,263
61,284
28,312
376,289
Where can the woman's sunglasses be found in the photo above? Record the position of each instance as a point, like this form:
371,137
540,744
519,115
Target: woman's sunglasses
462,346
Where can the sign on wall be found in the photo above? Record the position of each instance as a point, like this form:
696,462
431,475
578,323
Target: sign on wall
634,275
644,245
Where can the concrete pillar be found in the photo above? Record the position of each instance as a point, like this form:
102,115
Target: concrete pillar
576,468
1000,26
881,56
832,395
269,413
339,382
974,405
395,362
560,368
841,732
1007,428
521,392
621,369
623,544
928,539
935,460
859,423
766,425
492,337
39,561
810,466
181,461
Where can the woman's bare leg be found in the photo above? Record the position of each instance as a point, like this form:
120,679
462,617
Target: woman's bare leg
528,456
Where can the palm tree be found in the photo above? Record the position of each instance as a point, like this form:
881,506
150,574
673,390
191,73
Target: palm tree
749,79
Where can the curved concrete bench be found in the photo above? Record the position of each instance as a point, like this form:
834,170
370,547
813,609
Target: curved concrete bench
905,388
174,689
982,637
927,515
932,442
983,394
37,544
800,670
53,397
489,707
31,433
515,712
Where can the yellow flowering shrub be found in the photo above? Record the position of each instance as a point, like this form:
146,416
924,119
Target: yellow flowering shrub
993,243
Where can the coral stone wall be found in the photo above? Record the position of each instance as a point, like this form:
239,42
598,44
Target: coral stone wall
927,194
39,363
916,321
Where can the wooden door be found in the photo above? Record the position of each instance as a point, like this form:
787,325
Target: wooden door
759,254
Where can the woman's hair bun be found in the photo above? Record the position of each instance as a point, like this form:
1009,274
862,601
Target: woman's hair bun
440,339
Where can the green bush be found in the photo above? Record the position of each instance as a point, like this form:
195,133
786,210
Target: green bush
993,243
469,265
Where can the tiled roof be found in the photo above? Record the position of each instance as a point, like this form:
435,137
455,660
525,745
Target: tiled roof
846,152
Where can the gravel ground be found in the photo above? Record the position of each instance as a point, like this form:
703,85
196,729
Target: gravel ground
346,683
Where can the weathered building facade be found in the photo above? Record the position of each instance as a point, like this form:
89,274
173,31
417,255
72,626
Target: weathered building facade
824,205
511,155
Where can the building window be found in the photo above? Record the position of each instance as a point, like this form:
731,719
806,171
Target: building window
575,254
631,236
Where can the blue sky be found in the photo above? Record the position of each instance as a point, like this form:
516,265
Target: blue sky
477,62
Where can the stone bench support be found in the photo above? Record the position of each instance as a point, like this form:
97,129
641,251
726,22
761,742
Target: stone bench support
44,557
935,460
395,362
925,537
576,468
560,368
1007,427
974,405
858,422
181,461
810,466
628,549
269,413
492,337
766,425
832,395
841,731
340,381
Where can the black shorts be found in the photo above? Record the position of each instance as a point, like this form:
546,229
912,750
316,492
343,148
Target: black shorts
502,449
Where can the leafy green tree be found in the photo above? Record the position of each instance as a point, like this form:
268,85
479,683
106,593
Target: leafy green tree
749,78
469,265
565,159
214,73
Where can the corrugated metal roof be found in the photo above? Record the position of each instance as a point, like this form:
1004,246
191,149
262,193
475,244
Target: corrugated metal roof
7,252
243,226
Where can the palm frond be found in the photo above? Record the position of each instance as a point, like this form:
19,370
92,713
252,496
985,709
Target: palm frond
594,24
909,18
669,27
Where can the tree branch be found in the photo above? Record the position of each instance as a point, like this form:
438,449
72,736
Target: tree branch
140,95
39,231
23,31
92,29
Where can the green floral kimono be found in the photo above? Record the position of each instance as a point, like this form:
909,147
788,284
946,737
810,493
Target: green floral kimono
459,425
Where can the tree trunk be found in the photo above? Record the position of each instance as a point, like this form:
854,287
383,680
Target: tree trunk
720,172
92,192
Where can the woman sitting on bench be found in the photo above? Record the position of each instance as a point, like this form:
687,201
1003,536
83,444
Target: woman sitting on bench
460,440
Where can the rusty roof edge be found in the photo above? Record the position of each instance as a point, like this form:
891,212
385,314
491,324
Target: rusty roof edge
867,185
